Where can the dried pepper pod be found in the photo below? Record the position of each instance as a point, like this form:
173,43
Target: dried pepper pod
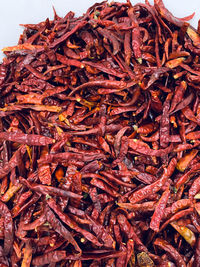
99,140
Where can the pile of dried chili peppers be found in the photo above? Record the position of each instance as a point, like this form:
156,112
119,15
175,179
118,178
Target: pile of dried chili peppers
99,140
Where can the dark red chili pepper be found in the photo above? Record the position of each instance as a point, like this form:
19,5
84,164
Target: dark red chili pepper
46,190
102,185
178,95
68,34
100,114
177,216
50,257
102,233
149,189
159,211
8,228
60,229
13,162
29,139
71,223
171,250
164,124
129,231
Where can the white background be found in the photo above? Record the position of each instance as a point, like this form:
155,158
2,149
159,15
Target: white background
14,12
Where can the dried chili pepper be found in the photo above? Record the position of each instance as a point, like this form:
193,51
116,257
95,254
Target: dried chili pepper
8,228
99,140
171,250
159,210
33,140
149,189
59,228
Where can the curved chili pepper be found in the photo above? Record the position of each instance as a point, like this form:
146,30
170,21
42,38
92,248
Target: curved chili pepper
159,211
177,216
13,162
129,231
142,148
171,250
149,189
43,189
8,228
51,257
195,188
59,228
71,223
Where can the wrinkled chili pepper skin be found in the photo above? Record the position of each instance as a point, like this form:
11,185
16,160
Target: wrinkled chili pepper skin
99,140
26,139
174,254
58,226
51,257
149,189
164,125
159,211
8,228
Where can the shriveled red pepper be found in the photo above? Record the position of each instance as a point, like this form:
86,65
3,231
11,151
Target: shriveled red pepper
171,250
8,228
159,211
149,189
99,140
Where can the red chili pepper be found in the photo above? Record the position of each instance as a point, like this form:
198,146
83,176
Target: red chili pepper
171,250
37,140
44,171
183,104
46,190
197,254
159,211
111,37
195,188
71,223
165,124
68,34
179,93
13,162
184,161
126,227
149,189
193,135
146,206
186,176
27,255
60,229
177,216
127,47
143,148
100,114
48,258
8,228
